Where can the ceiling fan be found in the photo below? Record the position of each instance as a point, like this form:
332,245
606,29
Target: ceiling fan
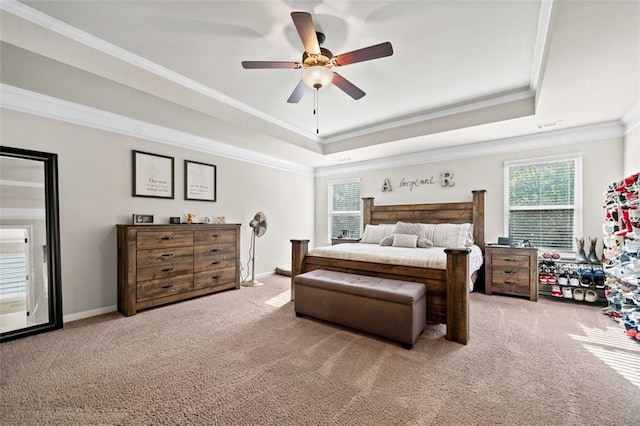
317,62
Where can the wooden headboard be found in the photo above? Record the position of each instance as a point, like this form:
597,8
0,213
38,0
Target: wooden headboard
464,212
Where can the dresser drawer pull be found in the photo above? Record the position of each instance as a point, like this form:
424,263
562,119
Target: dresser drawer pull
167,238
167,255
510,282
215,236
216,277
510,271
217,262
168,269
511,260
167,286
215,250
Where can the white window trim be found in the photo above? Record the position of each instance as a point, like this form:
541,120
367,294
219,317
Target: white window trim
577,223
330,212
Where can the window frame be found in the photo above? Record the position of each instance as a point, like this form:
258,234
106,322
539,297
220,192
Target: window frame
331,213
577,195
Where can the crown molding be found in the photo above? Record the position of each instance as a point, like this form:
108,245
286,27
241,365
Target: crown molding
538,59
472,105
21,100
588,133
36,17
631,119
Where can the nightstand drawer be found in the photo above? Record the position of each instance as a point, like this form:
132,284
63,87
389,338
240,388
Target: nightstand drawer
510,275
509,259
512,288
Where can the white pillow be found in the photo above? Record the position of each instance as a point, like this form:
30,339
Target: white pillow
373,234
405,240
452,235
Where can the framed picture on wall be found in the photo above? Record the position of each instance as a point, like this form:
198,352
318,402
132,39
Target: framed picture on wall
199,181
153,175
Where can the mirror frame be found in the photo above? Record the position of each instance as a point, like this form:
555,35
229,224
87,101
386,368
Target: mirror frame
52,223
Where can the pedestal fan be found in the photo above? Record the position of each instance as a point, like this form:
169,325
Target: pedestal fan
258,227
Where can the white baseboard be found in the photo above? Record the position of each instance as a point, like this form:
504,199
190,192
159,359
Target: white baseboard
87,314
113,308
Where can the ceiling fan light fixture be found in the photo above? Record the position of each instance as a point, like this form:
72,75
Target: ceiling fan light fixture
317,76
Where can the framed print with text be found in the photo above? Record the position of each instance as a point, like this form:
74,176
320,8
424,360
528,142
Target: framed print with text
199,181
153,175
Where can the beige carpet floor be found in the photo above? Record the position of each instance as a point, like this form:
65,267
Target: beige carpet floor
233,358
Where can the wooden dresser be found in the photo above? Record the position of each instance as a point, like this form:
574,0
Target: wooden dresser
159,264
512,271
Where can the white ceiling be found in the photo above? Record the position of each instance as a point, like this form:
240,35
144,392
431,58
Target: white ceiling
462,71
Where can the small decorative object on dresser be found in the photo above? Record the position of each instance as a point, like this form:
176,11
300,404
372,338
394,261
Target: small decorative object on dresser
159,264
512,271
141,219
174,220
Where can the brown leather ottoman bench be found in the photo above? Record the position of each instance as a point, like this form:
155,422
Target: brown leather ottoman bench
384,307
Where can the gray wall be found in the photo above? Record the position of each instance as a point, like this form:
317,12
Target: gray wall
95,195
602,164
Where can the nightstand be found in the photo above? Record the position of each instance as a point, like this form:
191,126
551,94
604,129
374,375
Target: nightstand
512,271
335,241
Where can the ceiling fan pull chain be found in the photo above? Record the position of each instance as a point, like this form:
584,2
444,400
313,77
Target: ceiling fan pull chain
316,110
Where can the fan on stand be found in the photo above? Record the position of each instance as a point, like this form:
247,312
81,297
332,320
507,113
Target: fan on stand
258,227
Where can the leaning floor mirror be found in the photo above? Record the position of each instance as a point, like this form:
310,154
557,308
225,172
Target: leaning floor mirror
30,287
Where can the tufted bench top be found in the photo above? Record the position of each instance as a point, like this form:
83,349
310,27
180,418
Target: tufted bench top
402,292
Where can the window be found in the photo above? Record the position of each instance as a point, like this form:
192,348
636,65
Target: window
543,201
344,208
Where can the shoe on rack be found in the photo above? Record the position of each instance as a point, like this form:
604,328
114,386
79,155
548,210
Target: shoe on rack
591,296
555,291
578,294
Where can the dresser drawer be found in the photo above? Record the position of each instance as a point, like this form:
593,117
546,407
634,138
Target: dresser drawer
153,289
214,236
214,277
164,256
214,253
510,275
152,239
510,259
153,272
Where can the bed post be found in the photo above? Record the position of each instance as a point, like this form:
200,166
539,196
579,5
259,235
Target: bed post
299,249
458,295
367,206
478,217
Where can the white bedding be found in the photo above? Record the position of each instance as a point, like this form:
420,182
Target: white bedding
434,257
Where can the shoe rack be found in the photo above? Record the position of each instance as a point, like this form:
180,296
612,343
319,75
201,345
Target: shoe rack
574,280
621,238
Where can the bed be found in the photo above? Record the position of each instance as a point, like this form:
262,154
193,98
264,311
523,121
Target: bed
448,283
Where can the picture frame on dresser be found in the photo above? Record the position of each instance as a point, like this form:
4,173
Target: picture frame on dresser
153,175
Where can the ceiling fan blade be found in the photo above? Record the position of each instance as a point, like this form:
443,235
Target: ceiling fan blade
249,65
347,87
298,93
306,31
365,54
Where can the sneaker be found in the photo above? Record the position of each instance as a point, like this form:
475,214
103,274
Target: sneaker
555,291
567,293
